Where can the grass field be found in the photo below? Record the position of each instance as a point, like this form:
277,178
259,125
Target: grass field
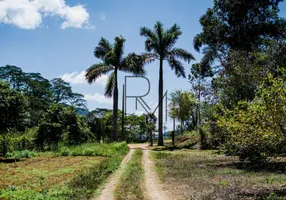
194,174
55,170
51,176
131,181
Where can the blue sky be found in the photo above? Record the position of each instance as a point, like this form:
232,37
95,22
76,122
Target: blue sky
57,39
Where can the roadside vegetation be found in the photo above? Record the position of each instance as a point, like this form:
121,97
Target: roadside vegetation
130,186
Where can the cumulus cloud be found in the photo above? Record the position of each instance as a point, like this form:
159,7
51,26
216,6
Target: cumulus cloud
28,14
79,78
99,98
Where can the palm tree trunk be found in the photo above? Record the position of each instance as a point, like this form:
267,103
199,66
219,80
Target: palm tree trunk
115,108
160,125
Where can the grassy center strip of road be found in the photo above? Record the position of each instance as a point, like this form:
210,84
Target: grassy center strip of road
132,179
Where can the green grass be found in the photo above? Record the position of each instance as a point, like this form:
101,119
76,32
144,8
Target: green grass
131,181
205,175
95,149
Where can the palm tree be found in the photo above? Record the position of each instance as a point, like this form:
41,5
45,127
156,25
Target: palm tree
112,60
160,45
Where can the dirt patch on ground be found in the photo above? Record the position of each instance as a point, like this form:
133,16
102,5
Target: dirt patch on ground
154,189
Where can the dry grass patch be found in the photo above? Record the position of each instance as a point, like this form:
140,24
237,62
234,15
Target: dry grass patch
55,170
194,174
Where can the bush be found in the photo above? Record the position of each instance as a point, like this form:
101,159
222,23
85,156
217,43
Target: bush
256,130
21,154
95,149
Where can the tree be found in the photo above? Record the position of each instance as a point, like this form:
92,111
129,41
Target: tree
151,120
12,106
113,60
245,25
197,78
33,86
238,27
182,107
160,45
62,93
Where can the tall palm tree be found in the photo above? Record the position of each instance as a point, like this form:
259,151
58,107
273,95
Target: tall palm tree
160,45
113,60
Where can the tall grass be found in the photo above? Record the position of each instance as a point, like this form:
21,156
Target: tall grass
95,149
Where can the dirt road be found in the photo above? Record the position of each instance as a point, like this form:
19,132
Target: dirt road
153,188
108,191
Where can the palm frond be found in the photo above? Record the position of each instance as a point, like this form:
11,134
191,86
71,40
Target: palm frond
209,56
118,48
95,71
110,85
171,36
102,49
134,63
177,66
159,30
182,54
151,39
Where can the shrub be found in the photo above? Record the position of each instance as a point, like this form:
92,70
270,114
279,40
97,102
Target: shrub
95,149
256,130
21,154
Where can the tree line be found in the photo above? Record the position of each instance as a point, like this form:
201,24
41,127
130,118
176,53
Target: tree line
37,113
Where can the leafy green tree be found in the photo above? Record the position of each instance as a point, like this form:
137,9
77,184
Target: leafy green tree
33,85
100,123
62,93
182,107
38,92
151,120
12,106
197,78
245,25
160,46
113,60
13,75
236,30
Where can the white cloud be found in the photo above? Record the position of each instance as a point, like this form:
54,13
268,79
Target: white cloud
28,14
79,78
99,98
102,16
139,112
